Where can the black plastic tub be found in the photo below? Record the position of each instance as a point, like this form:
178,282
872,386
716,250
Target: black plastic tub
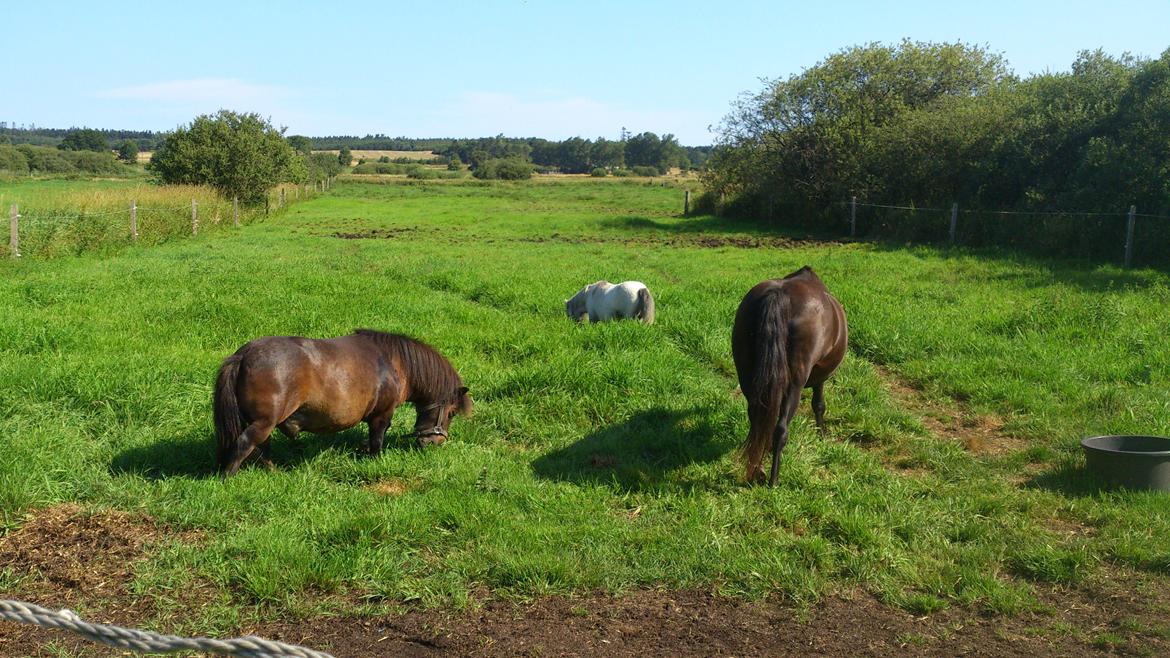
1136,462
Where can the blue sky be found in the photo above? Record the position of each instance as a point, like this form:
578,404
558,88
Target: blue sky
521,68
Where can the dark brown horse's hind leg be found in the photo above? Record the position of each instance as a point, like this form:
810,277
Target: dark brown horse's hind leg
264,451
780,434
818,405
255,434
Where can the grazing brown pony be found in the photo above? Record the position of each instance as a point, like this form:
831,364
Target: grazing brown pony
789,334
303,384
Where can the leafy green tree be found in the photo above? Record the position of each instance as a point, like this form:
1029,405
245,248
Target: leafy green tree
576,155
344,156
514,168
649,150
608,154
238,154
301,144
804,139
320,166
128,151
84,139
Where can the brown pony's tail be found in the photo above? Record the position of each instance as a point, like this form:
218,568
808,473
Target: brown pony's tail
645,307
770,375
229,424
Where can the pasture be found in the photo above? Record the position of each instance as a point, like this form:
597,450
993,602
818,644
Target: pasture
601,459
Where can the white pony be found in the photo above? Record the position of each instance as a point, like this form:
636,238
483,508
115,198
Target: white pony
603,301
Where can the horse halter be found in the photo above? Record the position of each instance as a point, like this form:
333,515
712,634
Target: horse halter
434,431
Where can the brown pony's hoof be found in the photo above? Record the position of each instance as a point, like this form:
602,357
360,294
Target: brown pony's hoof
758,477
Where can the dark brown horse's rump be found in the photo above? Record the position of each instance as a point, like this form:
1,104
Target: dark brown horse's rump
328,385
789,334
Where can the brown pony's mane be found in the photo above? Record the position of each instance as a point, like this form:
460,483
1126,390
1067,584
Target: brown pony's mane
431,376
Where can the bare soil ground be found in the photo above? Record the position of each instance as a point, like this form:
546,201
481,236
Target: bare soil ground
67,557
682,240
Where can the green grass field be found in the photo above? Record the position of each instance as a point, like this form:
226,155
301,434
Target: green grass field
599,457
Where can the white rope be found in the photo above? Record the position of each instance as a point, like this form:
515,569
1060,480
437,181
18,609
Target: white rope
146,641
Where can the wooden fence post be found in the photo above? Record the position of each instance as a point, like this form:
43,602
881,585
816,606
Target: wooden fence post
954,220
1129,235
297,193
236,210
853,217
687,203
134,220
14,230
281,198
194,218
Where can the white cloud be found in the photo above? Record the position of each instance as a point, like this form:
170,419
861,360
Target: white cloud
224,92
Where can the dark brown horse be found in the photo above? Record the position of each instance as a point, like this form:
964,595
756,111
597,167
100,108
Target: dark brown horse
789,334
303,384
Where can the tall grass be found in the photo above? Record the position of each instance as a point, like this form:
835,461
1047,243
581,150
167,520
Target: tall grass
69,217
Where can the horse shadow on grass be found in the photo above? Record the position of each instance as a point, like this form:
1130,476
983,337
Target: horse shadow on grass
641,453
193,455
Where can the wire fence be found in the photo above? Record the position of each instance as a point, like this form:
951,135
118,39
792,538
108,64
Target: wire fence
1125,236
45,231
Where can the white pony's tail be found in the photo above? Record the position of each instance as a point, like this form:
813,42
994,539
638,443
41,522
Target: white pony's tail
644,310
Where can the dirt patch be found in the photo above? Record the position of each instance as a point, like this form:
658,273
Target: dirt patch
701,241
71,556
376,233
690,623
66,557
981,434
66,548
389,487
685,240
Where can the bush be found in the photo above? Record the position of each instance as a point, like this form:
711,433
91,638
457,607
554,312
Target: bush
94,163
622,173
44,160
422,173
345,156
320,166
240,155
12,160
644,170
128,151
504,169
599,172
380,168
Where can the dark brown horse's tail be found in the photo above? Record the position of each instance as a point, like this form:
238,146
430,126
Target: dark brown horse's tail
229,424
770,374
645,306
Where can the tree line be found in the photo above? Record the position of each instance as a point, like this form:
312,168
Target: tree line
929,124
144,140
573,155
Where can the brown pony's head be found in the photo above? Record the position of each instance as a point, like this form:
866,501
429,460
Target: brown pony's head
435,418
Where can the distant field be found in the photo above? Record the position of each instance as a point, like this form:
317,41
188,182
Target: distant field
374,155
600,458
